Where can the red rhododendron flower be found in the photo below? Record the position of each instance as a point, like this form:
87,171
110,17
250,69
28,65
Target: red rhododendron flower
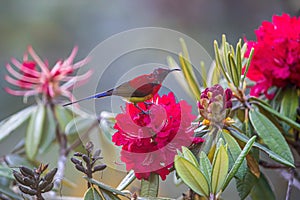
276,60
34,76
149,139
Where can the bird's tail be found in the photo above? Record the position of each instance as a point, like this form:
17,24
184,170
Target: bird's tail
96,96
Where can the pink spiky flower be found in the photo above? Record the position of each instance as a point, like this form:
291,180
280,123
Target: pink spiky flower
34,76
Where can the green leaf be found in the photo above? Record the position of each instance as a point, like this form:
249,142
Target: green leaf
35,132
289,103
271,136
187,154
104,186
8,125
188,71
154,198
6,172
239,56
285,119
203,74
233,68
17,160
49,129
245,185
178,76
262,189
126,180
63,115
248,64
239,161
219,169
149,188
79,125
205,166
234,151
272,154
92,194
191,176
10,193
219,62
109,195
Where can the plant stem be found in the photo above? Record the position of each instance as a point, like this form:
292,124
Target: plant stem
290,184
63,154
78,141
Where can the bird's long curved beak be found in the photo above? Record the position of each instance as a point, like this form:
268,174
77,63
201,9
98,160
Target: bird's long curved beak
172,70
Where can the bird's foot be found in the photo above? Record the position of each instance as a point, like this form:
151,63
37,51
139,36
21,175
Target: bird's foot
142,111
148,103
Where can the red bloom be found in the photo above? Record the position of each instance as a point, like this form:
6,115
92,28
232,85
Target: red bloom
276,60
34,76
149,140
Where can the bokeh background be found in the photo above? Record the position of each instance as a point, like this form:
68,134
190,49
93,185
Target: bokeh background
54,27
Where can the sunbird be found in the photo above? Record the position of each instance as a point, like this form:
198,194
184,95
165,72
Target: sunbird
137,90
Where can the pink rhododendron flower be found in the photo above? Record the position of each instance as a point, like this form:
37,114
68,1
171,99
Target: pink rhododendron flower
276,60
33,76
149,139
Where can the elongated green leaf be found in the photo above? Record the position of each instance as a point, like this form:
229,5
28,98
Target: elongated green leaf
7,126
234,152
92,194
271,136
190,78
187,154
10,193
233,68
245,185
272,154
79,125
187,70
35,132
154,198
191,176
6,172
205,167
219,169
17,160
104,186
248,64
178,76
48,131
239,161
219,62
63,115
215,75
203,74
285,119
226,50
109,195
289,103
126,180
149,188
239,56
262,189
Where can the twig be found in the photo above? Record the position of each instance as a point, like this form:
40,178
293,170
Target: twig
290,184
286,175
274,166
78,141
62,141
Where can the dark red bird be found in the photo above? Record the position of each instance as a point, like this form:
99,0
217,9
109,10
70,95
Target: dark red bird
139,89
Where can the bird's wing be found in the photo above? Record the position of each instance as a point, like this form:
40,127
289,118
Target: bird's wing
126,90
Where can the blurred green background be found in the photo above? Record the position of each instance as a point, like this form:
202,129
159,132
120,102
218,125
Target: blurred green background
54,27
